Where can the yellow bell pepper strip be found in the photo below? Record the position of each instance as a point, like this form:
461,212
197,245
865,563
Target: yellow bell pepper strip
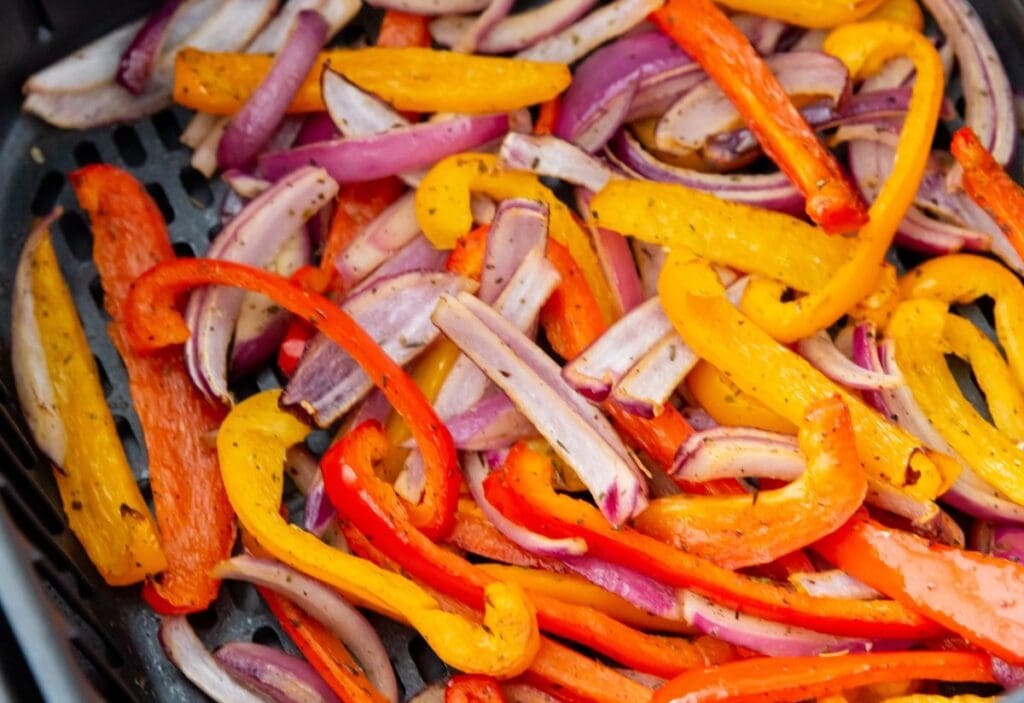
905,12
813,14
728,405
930,698
878,307
1002,392
783,381
442,209
522,491
152,322
917,331
101,500
990,186
739,531
977,596
570,588
864,48
705,33
786,679
962,279
373,508
413,78
252,444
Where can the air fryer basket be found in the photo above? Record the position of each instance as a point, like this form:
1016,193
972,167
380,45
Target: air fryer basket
79,639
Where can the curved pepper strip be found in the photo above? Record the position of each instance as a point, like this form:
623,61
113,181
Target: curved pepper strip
1002,392
473,689
738,531
962,279
784,679
252,443
411,78
442,209
728,405
101,500
864,48
197,526
980,597
705,33
927,698
905,12
990,186
782,380
917,331
813,14
475,534
372,507
522,491
152,322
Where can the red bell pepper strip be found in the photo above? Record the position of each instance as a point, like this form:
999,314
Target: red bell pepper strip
324,652
473,688
373,507
782,679
990,186
979,597
522,491
299,331
197,526
547,117
705,33
467,258
403,29
152,322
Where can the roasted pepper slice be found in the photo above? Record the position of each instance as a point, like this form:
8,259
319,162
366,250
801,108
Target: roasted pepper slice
979,597
197,525
59,386
737,531
372,507
473,689
728,405
782,679
402,29
706,34
412,78
522,491
153,322
990,186
917,330
807,13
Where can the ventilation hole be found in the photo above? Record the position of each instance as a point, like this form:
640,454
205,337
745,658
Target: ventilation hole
184,250
267,636
33,498
318,441
132,448
40,17
76,602
196,187
268,379
245,387
28,523
86,153
961,105
104,378
168,129
129,147
430,667
13,666
77,235
214,231
205,620
243,596
47,193
96,293
156,191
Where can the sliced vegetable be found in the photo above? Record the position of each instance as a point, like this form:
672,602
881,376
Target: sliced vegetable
808,13
189,654
473,689
273,673
515,31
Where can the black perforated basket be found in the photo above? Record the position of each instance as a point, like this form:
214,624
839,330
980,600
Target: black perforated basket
64,635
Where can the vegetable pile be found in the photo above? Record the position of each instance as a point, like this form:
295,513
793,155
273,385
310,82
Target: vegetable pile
628,403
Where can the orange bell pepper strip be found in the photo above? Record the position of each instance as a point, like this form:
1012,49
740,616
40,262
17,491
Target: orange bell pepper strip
59,388
728,405
813,14
467,256
522,491
473,689
738,531
197,525
328,656
990,186
372,506
783,679
475,534
410,78
548,116
705,33
978,596
152,322
401,29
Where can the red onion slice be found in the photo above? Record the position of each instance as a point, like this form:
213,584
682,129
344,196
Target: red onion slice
642,591
492,423
254,237
431,7
396,314
774,639
388,233
279,676
250,129
357,159
1008,543
87,68
188,653
327,606
355,112
531,379
582,36
482,26
764,33
647,386
551,156
417,255
823,355
738,452
650,259
514,32
246,185
1009,676
833,584
137,60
